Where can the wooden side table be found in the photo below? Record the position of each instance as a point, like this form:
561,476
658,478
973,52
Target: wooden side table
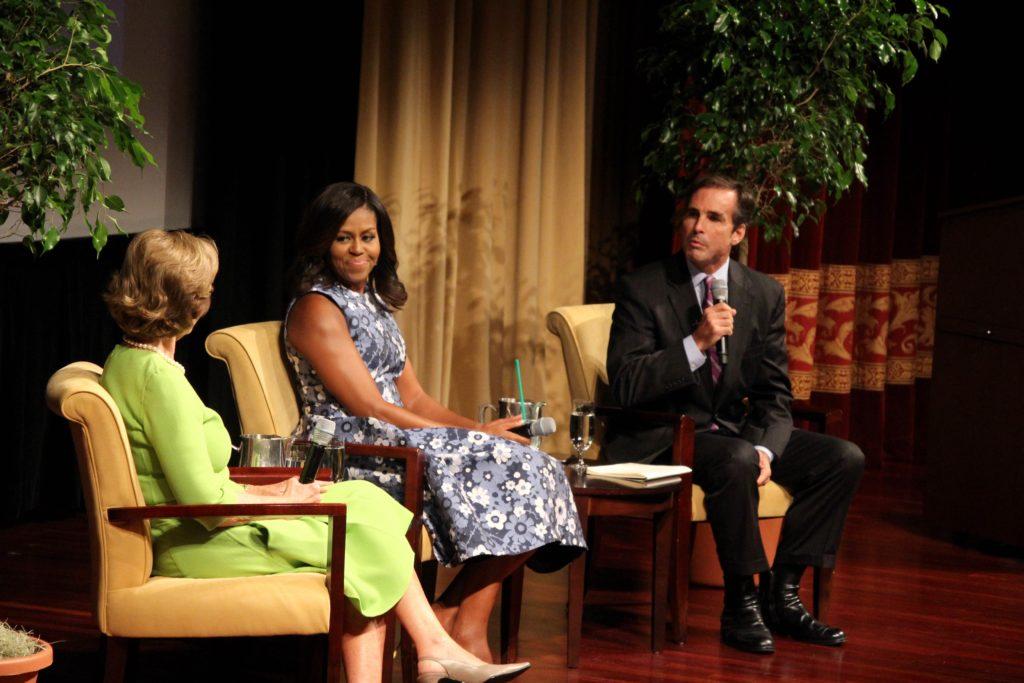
668,508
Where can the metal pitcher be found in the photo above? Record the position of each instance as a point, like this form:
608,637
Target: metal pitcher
263,450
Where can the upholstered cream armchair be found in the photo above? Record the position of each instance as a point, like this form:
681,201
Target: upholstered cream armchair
583,332
267,404
129,603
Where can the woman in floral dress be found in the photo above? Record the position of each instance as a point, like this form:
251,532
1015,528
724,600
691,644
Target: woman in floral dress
492,502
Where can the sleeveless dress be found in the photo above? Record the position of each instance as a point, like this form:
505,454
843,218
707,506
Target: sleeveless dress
181,450
484,495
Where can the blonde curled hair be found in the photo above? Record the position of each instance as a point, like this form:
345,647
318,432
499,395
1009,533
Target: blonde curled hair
160,289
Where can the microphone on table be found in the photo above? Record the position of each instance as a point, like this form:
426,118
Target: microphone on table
545,426
319,440
720,294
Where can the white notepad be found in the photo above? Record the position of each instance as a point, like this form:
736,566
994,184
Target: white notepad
635,471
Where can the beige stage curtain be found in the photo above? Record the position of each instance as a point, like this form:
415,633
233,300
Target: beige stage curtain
472,124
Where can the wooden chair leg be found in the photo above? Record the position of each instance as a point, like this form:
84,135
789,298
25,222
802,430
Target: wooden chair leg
115,659
335,667
679,573
428,579
593,552
387,666
577,574
574,628
662,543
822,592
511,607
408,650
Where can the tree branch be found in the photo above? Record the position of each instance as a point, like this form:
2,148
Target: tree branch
828,48
806,99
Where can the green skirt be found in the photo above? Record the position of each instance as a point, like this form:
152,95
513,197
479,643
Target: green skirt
378,558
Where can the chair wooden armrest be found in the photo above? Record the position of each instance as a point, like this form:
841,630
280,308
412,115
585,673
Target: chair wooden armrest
131,514
682,428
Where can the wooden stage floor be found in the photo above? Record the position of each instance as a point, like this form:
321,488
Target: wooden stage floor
915,607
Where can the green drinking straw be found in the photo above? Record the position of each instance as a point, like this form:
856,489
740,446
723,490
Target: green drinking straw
522,396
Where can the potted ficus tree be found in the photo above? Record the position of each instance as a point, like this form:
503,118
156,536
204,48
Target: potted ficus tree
22,655
771,91
61,104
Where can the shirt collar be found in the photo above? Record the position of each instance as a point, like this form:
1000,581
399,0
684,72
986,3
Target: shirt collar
697,277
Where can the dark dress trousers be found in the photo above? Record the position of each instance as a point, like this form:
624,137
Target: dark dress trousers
647,366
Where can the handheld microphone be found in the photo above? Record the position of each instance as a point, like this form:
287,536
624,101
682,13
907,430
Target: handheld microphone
720,294
323,432
545,426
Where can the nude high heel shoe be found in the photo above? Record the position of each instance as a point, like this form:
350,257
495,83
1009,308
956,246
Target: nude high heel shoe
459,672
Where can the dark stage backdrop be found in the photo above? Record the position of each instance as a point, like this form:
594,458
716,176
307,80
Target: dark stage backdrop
276,122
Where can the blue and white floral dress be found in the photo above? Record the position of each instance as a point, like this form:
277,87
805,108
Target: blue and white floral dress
485,495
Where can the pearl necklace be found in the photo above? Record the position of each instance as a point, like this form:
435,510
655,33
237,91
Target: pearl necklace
154,349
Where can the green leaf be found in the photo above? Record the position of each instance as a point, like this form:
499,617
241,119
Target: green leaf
858,170
99,236
104,168
38,195
50,239
140,155
113,202
909,67
30,245
935,51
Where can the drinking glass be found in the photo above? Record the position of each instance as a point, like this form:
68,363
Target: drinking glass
334,458
581,434
508,406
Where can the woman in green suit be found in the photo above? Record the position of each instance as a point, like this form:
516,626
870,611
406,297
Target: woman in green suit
181,452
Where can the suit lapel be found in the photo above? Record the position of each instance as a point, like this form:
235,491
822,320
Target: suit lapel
682,297
739,298
688,310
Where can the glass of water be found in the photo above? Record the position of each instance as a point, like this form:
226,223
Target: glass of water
581,432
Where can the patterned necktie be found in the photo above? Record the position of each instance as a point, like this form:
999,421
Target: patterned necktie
716,363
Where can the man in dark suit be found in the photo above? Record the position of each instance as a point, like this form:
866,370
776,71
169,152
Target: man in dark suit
662,356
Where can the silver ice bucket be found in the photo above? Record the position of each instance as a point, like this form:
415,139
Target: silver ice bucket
263,450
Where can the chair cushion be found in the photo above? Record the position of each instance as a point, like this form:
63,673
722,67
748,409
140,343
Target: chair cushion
774,502
278,604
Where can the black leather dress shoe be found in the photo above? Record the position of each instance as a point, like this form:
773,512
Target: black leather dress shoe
744,629
786,615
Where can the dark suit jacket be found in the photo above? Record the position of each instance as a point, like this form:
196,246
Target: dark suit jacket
647,365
